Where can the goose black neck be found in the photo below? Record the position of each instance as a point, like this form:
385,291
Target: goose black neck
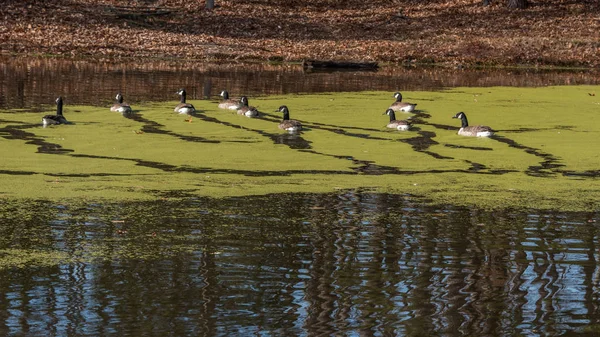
399,98
182,97
59,107
392,116
120,99
464,121
225,95
286,115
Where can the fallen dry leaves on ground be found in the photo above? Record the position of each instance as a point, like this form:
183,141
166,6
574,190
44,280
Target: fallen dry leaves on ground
459,32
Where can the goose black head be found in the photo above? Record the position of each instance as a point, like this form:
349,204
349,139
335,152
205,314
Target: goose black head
460,115
464,122
390,113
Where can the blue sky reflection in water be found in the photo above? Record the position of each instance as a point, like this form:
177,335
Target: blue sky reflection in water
351,263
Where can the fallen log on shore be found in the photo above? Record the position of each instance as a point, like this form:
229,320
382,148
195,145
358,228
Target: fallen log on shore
317,64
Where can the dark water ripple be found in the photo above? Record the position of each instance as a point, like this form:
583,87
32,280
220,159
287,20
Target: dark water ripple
351,263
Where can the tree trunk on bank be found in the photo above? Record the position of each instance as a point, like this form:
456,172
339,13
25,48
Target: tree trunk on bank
520,4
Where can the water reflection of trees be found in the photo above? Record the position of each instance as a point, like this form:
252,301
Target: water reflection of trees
30,82
306,264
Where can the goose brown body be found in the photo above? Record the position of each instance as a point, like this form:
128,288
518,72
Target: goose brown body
401,125
58,118
183,107
229,103
472,131
288,124
120,106
402,106
247,110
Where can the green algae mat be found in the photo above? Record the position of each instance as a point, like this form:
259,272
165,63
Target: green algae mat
544,153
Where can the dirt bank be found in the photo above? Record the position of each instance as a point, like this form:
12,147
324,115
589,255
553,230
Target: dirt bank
454,32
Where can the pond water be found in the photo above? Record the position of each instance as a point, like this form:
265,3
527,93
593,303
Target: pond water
350,263
176,229
28,83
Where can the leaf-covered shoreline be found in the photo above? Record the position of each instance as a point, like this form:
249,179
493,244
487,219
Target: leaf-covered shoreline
451,32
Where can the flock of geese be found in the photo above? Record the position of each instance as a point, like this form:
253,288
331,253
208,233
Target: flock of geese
243,108
403,125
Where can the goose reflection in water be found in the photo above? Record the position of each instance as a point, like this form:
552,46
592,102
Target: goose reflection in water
292,139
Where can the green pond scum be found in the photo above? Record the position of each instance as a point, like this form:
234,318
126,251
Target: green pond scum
20,258
544,153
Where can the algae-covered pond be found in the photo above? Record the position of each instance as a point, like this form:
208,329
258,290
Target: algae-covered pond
543,154
151,225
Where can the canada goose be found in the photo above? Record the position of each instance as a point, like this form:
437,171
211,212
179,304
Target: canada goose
472,131
58,118
402,106
227,103
183,107
401,125
287,123
121,107
248,111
